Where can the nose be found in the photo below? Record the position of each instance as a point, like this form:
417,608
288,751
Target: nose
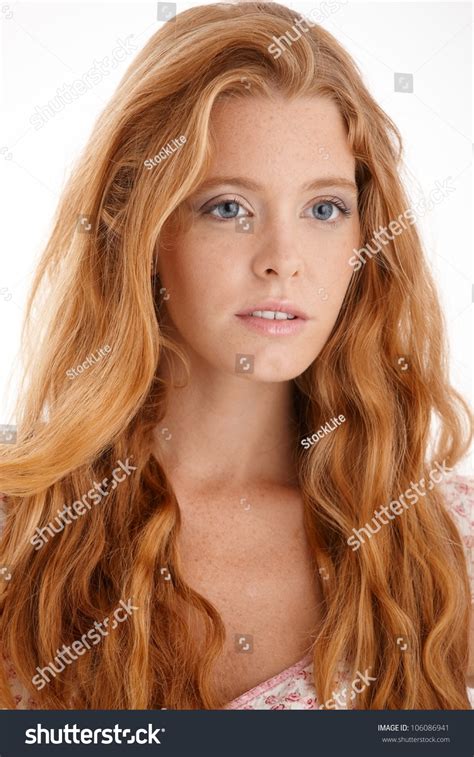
278,253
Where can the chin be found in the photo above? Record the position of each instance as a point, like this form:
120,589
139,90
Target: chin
273,370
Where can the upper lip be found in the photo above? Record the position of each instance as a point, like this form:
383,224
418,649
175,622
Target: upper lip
279,306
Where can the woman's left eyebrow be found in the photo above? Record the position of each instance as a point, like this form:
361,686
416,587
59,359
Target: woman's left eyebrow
325,181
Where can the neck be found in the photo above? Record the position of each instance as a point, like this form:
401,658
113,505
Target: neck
223,429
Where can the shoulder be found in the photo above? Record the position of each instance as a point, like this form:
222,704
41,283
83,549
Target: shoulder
458,492
459,495
21,697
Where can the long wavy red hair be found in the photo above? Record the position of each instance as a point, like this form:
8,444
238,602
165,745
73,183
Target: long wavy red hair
99,288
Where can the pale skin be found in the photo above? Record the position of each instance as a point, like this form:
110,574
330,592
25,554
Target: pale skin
229,458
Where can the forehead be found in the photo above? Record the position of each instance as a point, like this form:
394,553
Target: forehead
277,137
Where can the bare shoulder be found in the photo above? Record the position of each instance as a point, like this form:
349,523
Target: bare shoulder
458,493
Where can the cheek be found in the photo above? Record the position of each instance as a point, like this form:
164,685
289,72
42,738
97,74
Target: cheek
331,273
208,264
200,278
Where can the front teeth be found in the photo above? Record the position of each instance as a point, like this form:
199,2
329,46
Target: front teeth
272,314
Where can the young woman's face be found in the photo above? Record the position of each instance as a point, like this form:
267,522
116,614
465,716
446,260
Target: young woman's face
276,219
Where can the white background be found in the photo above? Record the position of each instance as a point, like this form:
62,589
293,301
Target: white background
48,45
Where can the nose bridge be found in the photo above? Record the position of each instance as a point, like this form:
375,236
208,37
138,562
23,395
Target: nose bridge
278,249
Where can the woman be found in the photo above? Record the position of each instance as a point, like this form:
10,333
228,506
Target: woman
222,397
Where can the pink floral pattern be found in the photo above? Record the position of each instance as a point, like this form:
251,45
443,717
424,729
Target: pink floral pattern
459,497
293,688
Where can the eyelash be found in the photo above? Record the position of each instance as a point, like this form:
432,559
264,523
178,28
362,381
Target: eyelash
328,200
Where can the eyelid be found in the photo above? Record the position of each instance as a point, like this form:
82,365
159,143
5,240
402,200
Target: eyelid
214,202
221,199
337,201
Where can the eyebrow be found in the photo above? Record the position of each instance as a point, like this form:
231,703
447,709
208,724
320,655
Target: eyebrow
325,181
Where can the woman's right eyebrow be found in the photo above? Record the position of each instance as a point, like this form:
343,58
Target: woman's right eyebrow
246,183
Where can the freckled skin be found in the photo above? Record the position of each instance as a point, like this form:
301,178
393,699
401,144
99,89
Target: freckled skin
213,272
229,451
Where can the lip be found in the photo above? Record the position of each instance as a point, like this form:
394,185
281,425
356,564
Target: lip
273,327
278,306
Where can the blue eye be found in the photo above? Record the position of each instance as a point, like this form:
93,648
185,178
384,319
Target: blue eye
325,208
227,209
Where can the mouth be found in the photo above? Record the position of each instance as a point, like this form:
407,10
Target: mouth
272,315
275,310
273,318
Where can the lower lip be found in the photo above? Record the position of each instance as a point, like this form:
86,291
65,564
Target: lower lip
273,327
